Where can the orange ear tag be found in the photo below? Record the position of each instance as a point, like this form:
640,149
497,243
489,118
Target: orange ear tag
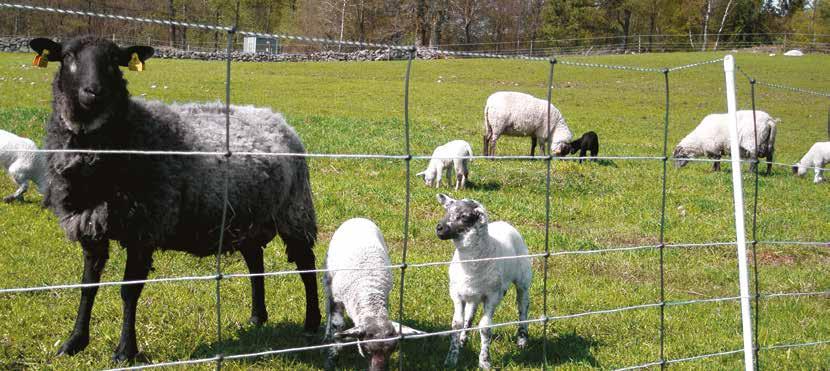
135,63
41,60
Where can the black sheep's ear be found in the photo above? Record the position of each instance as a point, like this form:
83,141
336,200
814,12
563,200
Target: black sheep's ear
41,44
144,53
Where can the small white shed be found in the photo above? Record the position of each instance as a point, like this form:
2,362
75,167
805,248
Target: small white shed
256,44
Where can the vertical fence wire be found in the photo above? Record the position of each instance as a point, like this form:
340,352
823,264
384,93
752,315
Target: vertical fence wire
757,164
408,162
662,243
547,222
227,163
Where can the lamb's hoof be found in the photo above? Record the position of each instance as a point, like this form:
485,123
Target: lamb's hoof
484,364
451,361
521,342
125,353
258,320
74,344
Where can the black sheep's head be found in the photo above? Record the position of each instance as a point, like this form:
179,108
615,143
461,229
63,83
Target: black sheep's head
89,88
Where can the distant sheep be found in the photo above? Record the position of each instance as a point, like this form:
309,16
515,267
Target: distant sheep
466,223
362,292
22,166
711,139
817,157
588,142
167,202
442,158
518,114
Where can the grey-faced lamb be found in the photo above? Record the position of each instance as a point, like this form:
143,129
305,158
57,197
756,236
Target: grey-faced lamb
519,114
446,157
22,167
353,286
167,202
711,139
466,223
816,158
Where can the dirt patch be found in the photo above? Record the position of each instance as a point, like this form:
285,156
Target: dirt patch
775,258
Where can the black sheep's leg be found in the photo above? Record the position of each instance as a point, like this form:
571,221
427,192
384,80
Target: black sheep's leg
300,251
716,164
582,152
95,257
253,259
139,261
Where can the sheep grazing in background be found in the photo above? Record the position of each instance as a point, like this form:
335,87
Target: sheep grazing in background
518,114
22,166
817,157
443,158
711,139
151,202
363,292
588,142
482,282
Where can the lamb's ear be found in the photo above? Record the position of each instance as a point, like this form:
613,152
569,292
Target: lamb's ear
423,173
406,330
444,200
41,44
482,214
144,53
353,333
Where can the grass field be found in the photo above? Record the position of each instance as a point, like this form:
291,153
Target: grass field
358,108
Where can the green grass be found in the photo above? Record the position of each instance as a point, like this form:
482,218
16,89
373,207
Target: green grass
358,108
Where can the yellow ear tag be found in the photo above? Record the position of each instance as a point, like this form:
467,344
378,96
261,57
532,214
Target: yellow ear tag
41,60
135,63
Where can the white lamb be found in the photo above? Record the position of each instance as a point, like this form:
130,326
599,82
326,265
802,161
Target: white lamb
363,293
519,114
22,166
711,139
442,157
466,224
817,157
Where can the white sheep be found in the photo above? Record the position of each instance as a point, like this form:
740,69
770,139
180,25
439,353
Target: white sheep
518,114
22,166
442,157
482,282
817,157
363,293
711,138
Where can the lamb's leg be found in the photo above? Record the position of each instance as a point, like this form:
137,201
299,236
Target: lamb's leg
139,262
582,152
95,257
469,312
457,324
449,176
523,303
487,144
486,332
716,164
493,140
769,161
818,178
334,323
253,259
23,184
533,146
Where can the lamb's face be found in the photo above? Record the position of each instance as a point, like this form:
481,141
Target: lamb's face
89,87
380,351
461,217
680,157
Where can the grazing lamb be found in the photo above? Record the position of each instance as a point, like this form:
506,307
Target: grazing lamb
167,202
588,142
711,139
22,166
363,294
442,158
466,224
817,157
518,114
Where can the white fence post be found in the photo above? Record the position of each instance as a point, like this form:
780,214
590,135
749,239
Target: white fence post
738,193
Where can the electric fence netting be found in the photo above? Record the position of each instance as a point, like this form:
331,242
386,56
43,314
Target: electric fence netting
553,252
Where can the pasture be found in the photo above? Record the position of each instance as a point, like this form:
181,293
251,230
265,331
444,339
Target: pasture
357,107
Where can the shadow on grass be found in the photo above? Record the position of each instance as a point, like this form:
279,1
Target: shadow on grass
572,348
484,186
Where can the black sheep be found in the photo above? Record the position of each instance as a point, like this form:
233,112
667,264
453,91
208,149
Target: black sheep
167,202
588,142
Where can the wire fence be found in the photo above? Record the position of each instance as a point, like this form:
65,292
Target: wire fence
407,157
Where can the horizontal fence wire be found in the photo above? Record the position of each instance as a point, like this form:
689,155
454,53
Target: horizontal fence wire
803,243
693,65
704,356
796,345
791,294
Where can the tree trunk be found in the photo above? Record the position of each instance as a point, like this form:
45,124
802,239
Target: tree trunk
438,18
722,22
421,32
172,13
706,24
691,41
626,28
184,29
342,22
